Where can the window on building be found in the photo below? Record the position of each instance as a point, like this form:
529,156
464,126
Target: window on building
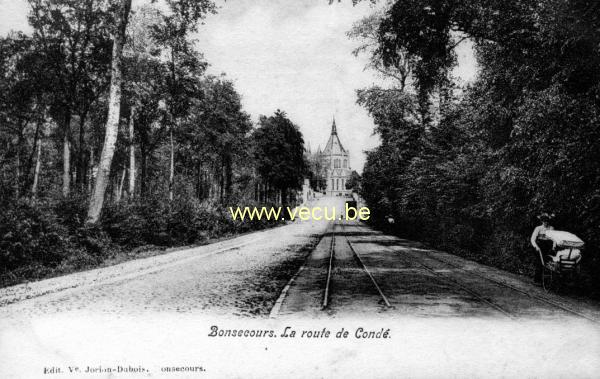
345,163
336,163
337,184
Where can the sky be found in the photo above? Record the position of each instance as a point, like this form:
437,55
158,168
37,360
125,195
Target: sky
291,55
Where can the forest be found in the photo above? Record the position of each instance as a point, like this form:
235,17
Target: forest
467,168
116,141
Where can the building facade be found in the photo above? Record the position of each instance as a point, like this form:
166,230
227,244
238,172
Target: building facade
335,162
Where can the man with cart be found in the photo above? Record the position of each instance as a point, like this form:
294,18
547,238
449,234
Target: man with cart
542,244
557,251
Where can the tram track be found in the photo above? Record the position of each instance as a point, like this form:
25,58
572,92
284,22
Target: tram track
442,278
457,284
328,291
506,285
417,261
359,261
339,278
325,302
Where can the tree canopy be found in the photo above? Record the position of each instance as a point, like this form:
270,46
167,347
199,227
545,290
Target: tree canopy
113,137
279,152
469,170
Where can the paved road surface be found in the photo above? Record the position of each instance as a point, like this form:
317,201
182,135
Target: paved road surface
357,271
241,277
336,269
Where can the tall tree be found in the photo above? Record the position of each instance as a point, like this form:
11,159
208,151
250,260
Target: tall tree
185,66
114,112
23,105
279,153
215,134
188,12
144,78
519,140
73,37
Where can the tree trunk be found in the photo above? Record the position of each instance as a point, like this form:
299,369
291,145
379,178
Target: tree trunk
91,170
198,174
66,178
131,155
221,183
27,169
256,190
171,167
283,196
228,177
120,187
214,185
38,166
144,173
114,112
18,168
206,185
267,192
81,169
113,189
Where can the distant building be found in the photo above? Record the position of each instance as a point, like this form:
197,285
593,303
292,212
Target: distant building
335,164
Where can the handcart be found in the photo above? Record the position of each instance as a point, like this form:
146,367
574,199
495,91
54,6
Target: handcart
563,265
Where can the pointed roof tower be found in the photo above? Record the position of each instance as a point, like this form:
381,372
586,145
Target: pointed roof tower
333,127
334,146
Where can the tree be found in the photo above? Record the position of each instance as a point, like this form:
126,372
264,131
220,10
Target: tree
145,84
72,38
187,13
185,65
214,136
397,68
279,153
519,140
21,106
114,111
354,182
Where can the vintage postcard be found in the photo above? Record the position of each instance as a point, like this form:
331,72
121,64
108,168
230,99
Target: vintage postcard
299,189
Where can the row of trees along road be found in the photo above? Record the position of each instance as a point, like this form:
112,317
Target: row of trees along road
113,136
468,168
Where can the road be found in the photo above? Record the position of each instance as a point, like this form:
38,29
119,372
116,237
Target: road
240,277
303,269
356,271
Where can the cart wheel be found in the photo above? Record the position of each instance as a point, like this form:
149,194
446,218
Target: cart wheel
547,279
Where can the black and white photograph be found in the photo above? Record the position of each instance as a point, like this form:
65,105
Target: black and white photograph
299,188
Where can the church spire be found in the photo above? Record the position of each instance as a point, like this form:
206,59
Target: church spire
333,127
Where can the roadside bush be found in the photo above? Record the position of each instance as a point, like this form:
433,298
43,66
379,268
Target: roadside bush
37,240
30,234
44,238
161,223
510,251
134,224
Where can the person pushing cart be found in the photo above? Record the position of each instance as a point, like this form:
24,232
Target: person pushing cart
542,244
558,253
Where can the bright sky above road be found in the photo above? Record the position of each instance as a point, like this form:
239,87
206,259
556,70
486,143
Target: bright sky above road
288,55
